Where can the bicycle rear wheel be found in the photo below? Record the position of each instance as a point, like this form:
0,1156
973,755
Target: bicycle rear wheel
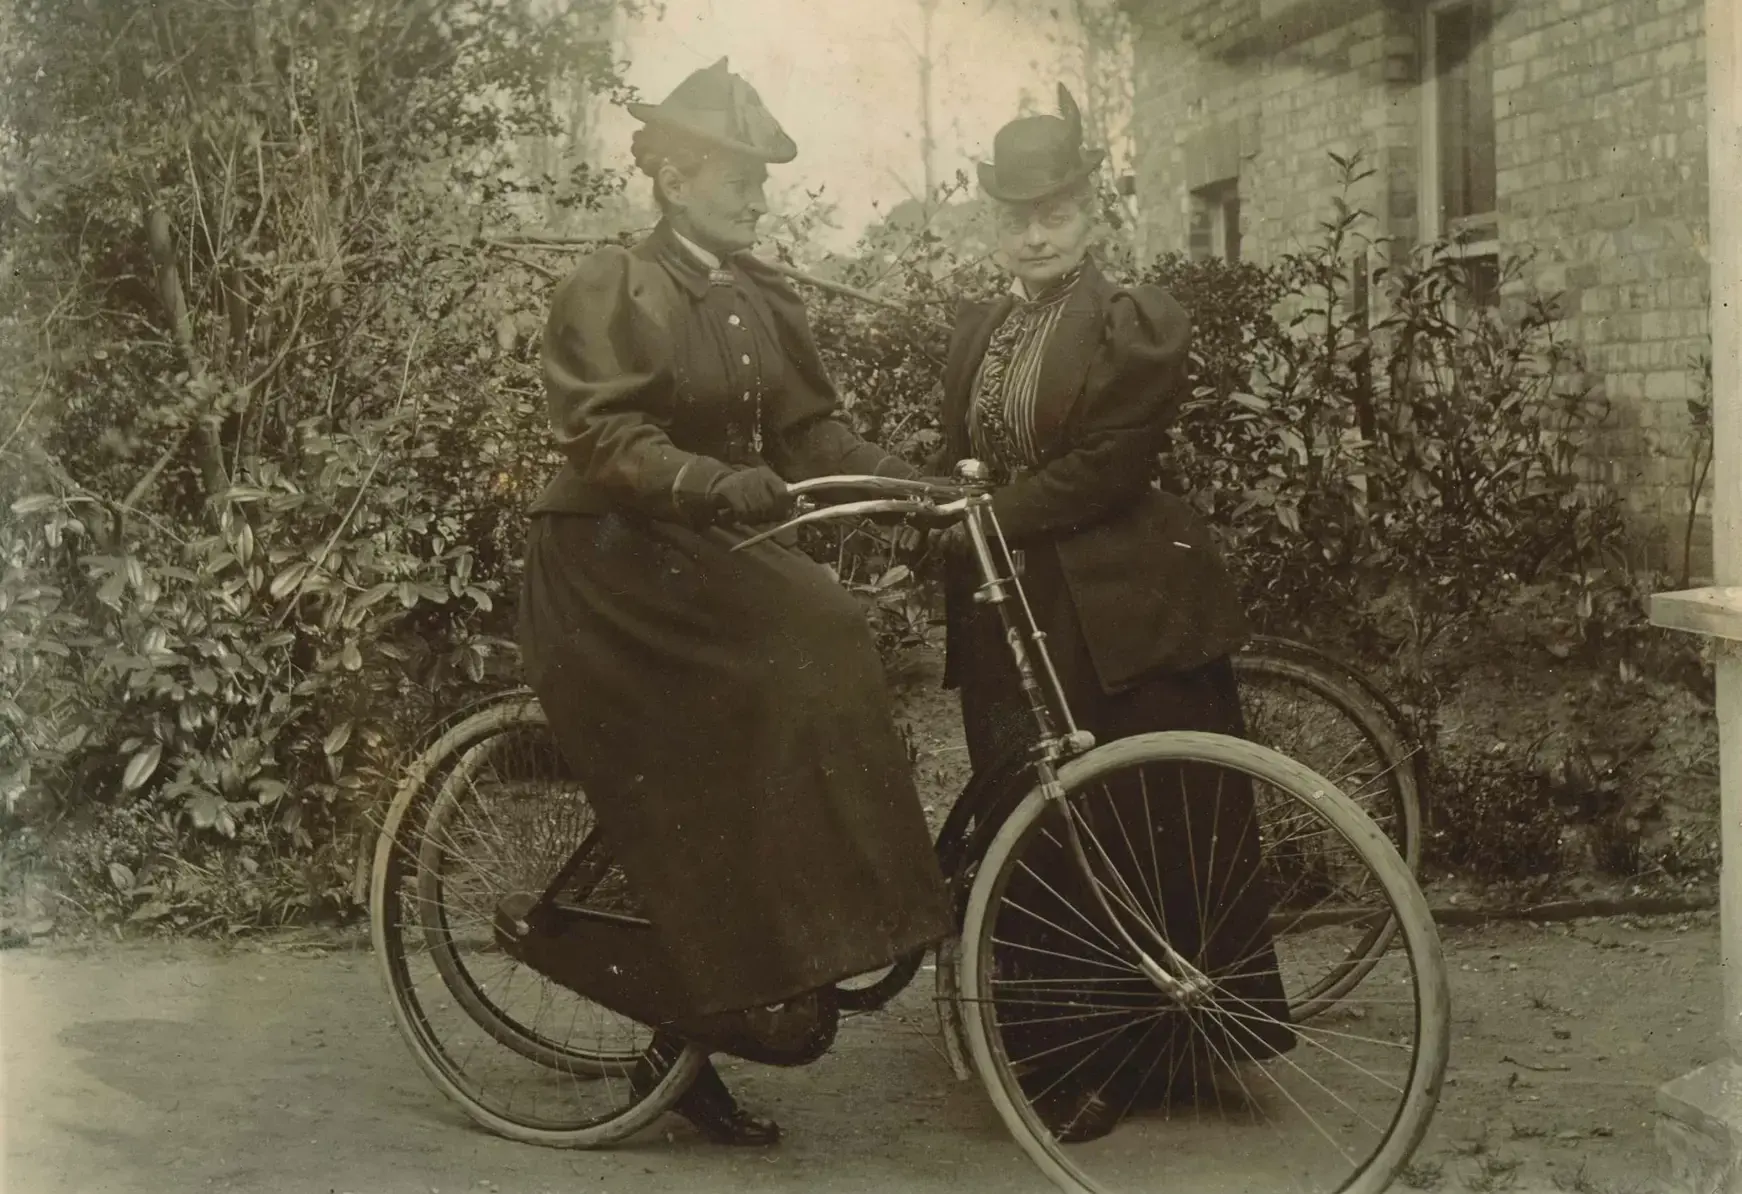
1232,1093
489,812
1300,702
1314,708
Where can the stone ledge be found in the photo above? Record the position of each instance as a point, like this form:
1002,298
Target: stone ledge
1699,1130
1709,1099
1715,612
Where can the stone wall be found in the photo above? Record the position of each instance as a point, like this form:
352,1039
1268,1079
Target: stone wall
1600,156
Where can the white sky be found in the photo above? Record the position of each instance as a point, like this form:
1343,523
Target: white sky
845,85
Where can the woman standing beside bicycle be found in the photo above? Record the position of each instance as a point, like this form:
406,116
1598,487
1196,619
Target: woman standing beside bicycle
726,712
1065,387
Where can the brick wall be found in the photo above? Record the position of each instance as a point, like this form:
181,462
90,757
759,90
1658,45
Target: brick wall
1600,155
1274,123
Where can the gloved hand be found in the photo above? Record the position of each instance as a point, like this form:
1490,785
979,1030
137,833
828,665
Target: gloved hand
952,542
751,496
895,466
908,543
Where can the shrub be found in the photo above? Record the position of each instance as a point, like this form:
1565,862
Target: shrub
1503,825
282,420
276,425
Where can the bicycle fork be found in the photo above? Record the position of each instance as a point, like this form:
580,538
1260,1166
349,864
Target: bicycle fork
1178,978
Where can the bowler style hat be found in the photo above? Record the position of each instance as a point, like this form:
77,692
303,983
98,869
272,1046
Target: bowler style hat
720,108
1035,157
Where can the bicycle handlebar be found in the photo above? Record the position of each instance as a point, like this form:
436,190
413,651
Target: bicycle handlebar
912,507
911,486
905,495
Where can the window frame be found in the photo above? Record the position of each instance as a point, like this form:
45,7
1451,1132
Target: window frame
1219,204
1483,230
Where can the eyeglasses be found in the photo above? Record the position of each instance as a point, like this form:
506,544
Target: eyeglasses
1052,215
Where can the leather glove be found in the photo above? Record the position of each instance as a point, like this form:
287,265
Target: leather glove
895,466
952,543
908,543
751,496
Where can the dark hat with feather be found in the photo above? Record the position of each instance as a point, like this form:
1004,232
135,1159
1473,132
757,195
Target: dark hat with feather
719,108
1035,157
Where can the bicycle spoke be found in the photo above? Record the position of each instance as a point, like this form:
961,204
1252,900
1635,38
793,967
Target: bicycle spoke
1274,901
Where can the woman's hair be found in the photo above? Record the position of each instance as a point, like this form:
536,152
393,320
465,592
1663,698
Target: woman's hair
655,148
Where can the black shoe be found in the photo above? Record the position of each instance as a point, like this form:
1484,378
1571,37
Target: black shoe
707,1104
710,1107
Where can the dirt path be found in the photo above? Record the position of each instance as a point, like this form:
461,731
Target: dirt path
144,1069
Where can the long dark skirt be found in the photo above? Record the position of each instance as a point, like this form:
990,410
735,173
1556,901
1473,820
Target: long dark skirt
728,717
1186,843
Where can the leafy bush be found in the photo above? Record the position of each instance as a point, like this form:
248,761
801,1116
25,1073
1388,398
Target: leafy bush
1504,825
274,419
1386,460
281,420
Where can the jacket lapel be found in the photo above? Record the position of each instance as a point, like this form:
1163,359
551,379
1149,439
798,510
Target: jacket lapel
1070,351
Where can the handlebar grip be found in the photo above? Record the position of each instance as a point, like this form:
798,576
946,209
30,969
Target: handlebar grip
715,510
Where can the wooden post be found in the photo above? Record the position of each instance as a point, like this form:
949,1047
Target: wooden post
1700,1114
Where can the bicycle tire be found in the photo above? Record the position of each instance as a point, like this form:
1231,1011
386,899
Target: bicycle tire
1304,667
495,725
1354,698
396,852
1380,702
1427,963
1333,683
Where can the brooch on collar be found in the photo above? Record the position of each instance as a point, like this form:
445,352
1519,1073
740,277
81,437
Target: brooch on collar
720,277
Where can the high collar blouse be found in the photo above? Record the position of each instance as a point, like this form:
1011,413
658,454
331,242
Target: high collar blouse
1001,416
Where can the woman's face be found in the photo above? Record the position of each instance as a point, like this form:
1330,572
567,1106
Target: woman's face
1041,242
719,203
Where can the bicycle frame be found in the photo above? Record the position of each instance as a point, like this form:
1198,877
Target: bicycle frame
1001,587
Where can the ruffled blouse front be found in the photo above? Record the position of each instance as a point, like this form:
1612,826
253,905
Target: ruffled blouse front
1001,416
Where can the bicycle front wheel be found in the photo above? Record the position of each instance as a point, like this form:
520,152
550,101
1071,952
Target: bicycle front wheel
1114,1085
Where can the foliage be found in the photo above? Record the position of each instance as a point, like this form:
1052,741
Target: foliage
1502,828
272,417
261,505
1700,457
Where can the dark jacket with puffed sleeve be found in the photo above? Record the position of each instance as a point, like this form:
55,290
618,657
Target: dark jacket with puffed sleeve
662,376
1150,588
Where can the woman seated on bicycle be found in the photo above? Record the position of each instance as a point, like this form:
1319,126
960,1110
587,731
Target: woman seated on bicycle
725,712
1065,388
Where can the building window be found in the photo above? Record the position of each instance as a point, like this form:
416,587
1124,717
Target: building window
1459,195
1215,230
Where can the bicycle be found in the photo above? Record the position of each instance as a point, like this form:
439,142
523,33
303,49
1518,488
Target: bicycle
1374,747
488,854
1310,706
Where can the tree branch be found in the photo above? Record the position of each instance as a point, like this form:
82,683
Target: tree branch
161,242
506,252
